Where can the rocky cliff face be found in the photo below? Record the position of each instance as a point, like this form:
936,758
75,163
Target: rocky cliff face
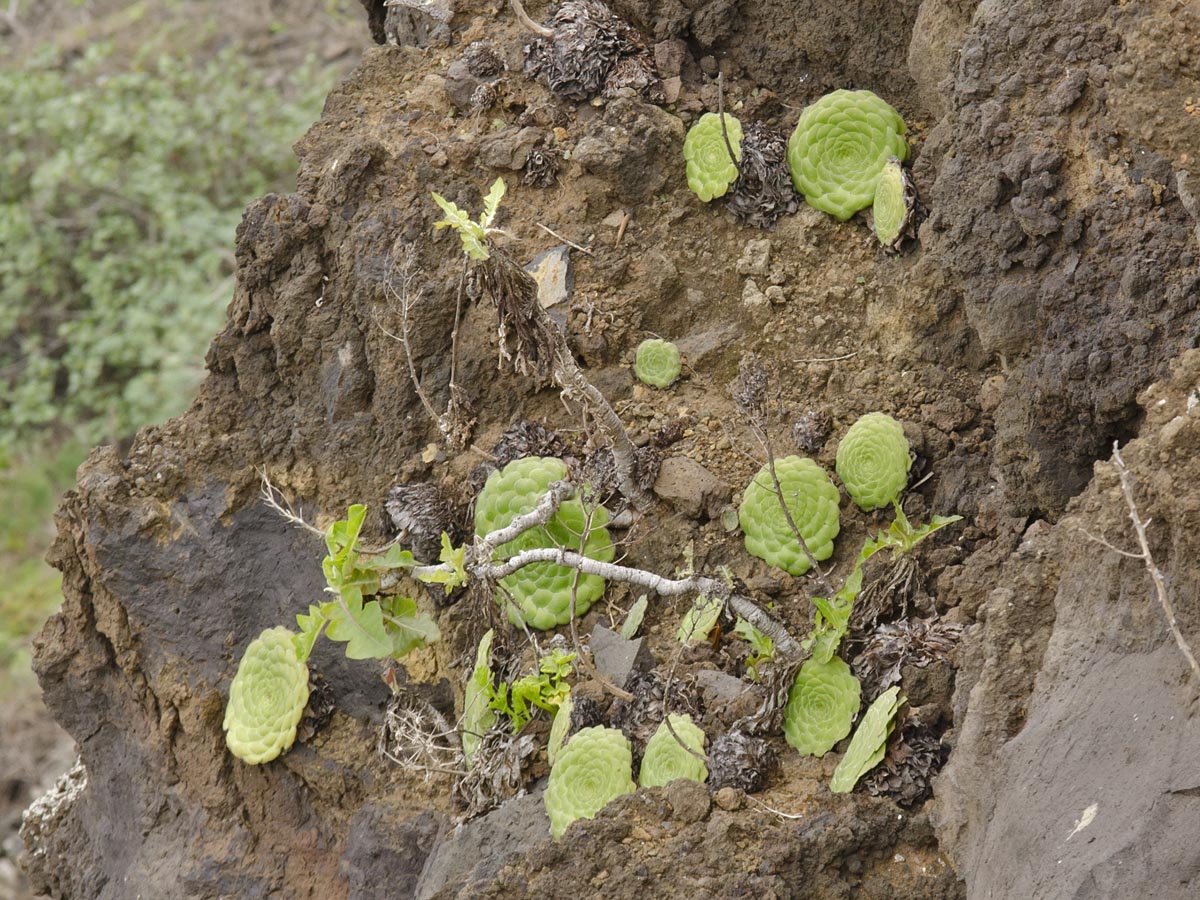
1055,280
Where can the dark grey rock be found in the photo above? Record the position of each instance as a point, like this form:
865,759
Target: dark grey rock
478,849
618,658
384,857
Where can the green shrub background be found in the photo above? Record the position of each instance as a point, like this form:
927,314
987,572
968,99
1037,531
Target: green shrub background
122,181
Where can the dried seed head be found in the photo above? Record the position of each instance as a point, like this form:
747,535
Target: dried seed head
541,167
749,389
811,430
484,97
763,191
482,61
738,760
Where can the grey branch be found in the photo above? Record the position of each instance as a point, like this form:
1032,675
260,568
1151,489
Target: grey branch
1160,585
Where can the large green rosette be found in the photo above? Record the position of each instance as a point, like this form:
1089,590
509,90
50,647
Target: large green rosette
541,592
821,706
710,171
873,460
267,697
812,500
839,149
593,769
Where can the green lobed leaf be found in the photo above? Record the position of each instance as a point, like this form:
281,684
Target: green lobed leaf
656,363
456,558
311,626
839,148
546,689
471,234
666,760
593,769
821,707
491,203
407,628
873,460
266,698
812,500
869,744
360,626
710,171
762,648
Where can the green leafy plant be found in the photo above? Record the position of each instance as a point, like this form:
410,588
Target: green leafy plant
762,648
657,363
478,716
710,171
267,697
591,771
869,744
894,205
472,234
546,689
839,149
559,729
539,595
700,619
119,198
370,629
822,703
873,460
666,760
811,498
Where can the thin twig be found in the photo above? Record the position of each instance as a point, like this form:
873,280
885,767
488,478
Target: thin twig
1105,544
559,237
1160,585
823,359
523,17
721,113
283,507
584,656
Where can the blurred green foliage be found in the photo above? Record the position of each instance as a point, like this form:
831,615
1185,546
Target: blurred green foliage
122,181
119,196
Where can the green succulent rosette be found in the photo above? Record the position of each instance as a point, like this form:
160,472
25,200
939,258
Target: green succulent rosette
656,363
478,715
559,729
665,760
267,698
821,706
873,460
892,206
869,744
839,149
811,498
710,171
541,592
592,770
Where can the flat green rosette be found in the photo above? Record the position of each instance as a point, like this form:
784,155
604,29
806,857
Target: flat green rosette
895,202
869,744
821,706
541,592
267,697
478,716
593,769
710,171
665,760
873,461
839,149
559,729
656,363
812,500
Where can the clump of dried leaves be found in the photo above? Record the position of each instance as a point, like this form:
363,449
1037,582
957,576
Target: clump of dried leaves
763,191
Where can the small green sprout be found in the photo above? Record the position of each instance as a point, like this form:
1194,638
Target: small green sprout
657,363
873,460
762,648
593,769
545,690
869,744
821,706
812,500
895,202
541,593
665,760
839,149
710,171
472,234
267,697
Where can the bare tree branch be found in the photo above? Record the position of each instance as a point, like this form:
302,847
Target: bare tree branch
1160,585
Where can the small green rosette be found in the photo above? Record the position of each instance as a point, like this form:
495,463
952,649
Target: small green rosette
873,460
710,171
266,698
812,499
